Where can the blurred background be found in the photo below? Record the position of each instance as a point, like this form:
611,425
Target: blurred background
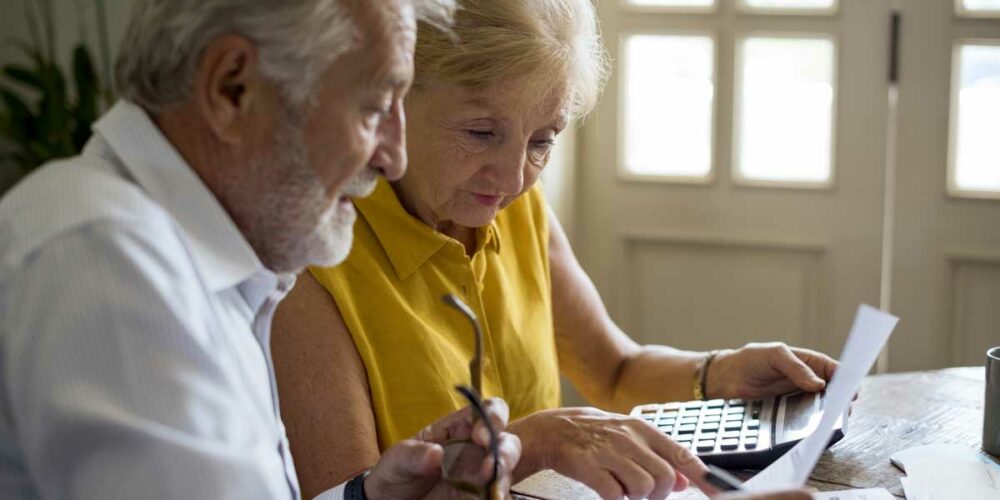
754,171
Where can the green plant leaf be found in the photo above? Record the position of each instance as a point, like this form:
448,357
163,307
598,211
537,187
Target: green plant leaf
21,122
87,92
54,120
24,75
30,51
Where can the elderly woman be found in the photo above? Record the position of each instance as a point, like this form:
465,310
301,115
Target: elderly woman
367,354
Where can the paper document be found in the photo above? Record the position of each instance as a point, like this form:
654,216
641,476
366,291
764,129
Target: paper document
870,332
868,494
944,472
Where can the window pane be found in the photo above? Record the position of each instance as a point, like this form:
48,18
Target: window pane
981,5
673,3
977,153
786,110
790,4
669,91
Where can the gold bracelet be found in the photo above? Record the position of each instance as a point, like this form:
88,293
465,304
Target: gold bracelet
698,384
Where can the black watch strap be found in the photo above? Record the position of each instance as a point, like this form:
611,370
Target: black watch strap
355,489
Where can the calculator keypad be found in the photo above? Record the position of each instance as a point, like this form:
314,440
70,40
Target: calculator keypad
706,427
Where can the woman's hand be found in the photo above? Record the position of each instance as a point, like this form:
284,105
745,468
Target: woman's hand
615,455
412,468
759,370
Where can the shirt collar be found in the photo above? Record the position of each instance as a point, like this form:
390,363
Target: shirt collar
407,241
219,248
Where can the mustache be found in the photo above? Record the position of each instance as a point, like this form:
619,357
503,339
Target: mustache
361,185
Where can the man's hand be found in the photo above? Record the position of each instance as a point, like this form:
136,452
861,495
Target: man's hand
760,370
412,468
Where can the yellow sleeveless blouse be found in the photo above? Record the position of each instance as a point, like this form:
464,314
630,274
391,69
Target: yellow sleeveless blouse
414,347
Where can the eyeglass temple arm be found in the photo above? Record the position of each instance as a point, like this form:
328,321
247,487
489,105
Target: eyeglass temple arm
474,365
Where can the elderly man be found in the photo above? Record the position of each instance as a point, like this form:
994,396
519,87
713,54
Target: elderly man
138,280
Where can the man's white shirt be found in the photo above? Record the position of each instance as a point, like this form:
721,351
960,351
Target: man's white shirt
135,333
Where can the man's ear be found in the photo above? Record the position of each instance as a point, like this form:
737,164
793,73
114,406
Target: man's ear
227,87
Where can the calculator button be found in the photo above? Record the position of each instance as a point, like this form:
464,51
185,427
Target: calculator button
730,434
712,418
736,409
753,424
670,414
706,445
709,426
733,416
737,402
684,439
729,426
671,406
751,434
692,404
689,420
686,429
707,435
729,444
668,421
750,443
715,403
712,411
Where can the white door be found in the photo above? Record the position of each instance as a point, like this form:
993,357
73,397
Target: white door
731,183
946,277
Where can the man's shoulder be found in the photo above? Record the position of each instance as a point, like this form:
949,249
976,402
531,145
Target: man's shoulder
72,195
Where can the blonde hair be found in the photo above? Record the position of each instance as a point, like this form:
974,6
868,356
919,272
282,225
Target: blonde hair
492,41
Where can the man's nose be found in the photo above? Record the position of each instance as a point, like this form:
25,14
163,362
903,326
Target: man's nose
390,153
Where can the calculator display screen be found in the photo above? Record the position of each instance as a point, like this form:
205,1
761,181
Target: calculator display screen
799,411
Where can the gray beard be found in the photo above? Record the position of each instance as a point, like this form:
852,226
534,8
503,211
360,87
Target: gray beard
295,223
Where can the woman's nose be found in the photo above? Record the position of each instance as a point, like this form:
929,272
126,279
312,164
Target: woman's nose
390,153
510,171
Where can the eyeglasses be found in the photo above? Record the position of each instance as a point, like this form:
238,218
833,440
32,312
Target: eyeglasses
463,459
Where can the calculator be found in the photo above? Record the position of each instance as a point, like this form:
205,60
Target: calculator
739,433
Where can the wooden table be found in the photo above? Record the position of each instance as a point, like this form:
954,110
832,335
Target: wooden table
894,412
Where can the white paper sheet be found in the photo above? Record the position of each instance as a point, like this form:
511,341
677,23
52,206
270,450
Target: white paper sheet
870,332
866,494
935,478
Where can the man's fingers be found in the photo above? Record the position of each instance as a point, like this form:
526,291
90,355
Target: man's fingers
460,425
509,448
455,425
786,362
411,459
498,413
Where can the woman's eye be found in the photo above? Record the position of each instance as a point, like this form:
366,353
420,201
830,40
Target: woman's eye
480,134
542,145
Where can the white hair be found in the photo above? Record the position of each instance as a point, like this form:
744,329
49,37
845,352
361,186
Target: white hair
296,41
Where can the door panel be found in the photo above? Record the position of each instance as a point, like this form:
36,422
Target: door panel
719,262
946,273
